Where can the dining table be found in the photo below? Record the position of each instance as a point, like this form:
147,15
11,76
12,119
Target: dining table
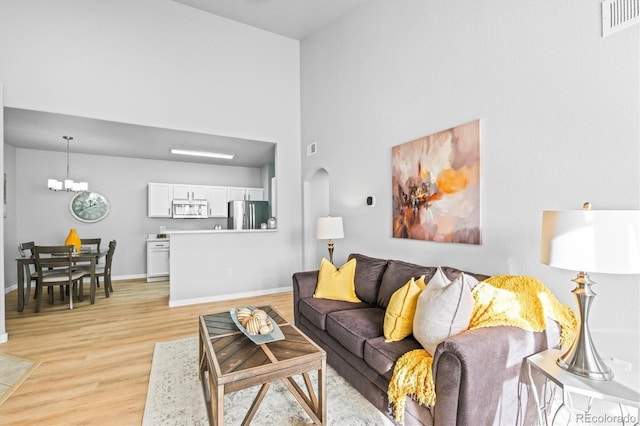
92,257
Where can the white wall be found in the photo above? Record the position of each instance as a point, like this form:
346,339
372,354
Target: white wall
3,329
43,216
154,63
559,107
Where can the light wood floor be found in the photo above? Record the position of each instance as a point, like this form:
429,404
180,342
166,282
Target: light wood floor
96,358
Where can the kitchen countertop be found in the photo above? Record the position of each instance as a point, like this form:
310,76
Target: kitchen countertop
220,231
154,237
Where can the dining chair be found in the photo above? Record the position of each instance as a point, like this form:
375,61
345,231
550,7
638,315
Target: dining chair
60,258
93,243
102,271
30,273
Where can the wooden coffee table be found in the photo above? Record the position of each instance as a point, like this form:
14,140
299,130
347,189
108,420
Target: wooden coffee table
230,361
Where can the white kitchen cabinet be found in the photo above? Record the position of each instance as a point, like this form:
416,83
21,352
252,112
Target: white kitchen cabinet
189,192
160,196
252,194
235,194
255,194
217,201
199,192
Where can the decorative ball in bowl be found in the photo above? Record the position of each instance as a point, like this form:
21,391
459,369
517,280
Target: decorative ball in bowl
255,321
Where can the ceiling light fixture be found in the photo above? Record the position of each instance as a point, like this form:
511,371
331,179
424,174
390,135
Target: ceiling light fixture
202,154
69,184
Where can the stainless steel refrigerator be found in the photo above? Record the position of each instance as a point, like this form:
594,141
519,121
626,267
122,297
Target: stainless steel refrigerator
248,214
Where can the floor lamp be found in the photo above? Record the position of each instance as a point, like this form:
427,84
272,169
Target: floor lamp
598,241
330,228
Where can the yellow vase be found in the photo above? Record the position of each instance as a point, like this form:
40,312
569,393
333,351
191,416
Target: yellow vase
73,239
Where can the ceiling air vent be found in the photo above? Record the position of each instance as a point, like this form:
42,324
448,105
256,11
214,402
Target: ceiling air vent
619,14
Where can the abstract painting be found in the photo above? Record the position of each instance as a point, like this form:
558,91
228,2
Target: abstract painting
436,186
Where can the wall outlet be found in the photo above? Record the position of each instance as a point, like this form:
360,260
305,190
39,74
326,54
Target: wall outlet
621,362
229,272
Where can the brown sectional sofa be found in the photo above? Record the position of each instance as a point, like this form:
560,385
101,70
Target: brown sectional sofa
475,372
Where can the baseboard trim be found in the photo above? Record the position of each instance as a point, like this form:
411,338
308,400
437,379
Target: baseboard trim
114,278
208,299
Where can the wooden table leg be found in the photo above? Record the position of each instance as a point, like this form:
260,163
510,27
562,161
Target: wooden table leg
92,287
217,402
322,392
21,267
314,406
256,404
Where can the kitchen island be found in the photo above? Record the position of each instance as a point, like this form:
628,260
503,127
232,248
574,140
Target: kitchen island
212,265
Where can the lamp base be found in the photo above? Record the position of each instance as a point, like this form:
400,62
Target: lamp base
582,358
594,370
330,248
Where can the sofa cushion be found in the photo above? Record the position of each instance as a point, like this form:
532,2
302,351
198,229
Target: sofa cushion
453,273
353,327
369,273
444,309
337,283
398,317
316,310
396,275
382,356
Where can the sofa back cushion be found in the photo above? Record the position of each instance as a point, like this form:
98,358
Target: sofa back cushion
396,275
453,273
368,277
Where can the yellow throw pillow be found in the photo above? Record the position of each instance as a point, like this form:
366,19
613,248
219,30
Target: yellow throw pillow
398,319
337,284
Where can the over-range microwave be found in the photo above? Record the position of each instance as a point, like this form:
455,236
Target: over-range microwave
190,209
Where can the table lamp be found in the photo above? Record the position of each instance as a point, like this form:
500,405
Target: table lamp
600,241
330,228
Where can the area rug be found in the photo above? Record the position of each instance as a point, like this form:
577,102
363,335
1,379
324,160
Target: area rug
13,372
175,396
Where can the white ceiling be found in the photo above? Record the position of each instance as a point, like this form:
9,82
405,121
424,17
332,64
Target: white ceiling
291,18
34,129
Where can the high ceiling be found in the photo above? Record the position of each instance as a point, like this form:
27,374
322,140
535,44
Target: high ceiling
291,18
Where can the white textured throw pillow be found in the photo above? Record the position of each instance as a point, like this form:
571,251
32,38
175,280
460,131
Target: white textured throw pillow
444,309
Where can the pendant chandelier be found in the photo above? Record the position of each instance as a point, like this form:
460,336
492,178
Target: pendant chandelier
69,184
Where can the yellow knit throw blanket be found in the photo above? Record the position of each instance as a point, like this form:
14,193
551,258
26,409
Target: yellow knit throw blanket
505,300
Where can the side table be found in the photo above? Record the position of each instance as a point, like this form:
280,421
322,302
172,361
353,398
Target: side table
623,390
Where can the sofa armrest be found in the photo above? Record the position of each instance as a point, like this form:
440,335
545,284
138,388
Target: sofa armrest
304,285
476,373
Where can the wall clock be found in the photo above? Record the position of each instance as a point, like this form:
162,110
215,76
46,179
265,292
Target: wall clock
89,206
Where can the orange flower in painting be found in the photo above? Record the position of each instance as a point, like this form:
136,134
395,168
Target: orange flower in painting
451,181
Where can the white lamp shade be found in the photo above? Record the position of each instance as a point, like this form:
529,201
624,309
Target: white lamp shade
604,241
330,228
